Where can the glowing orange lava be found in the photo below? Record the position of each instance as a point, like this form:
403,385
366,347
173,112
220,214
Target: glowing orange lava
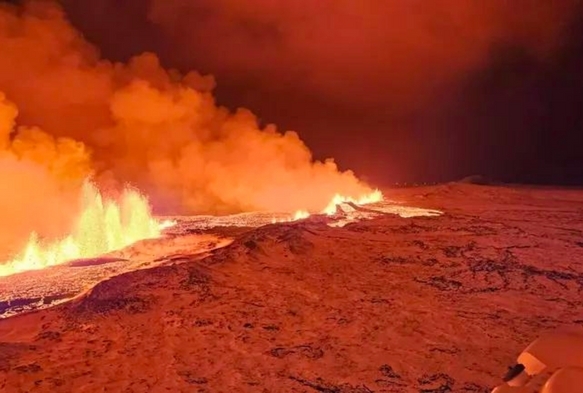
103,226
107,225
330,209
375,196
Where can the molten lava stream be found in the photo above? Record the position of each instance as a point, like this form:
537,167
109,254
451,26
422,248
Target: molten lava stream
373,197
102,226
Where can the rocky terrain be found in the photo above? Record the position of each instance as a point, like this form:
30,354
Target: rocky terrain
37,289
428,304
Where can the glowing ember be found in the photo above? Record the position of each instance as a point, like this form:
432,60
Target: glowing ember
103,226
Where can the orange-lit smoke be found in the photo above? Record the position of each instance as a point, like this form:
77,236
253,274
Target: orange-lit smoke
66,114
40,178
155,128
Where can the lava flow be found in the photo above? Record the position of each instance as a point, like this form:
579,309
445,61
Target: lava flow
107,225
103,226
331,207
375,196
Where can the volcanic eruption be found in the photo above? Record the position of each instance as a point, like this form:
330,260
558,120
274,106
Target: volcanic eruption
101,226
152,240
67,115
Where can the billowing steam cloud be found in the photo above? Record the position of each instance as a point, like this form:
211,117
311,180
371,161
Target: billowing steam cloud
140,123
39,175
393,81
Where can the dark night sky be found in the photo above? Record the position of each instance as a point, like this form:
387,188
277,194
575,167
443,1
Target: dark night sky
398,91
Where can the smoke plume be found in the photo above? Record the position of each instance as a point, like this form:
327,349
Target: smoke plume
40,176
381,81
137,122
345,51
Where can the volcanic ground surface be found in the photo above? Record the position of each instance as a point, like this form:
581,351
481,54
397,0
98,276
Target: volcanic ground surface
193,235
366,301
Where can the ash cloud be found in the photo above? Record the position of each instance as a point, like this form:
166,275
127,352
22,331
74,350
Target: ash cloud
138,122
39,181
373,82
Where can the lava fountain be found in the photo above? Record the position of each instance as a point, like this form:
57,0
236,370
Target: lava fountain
373,197
103,226
331,208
